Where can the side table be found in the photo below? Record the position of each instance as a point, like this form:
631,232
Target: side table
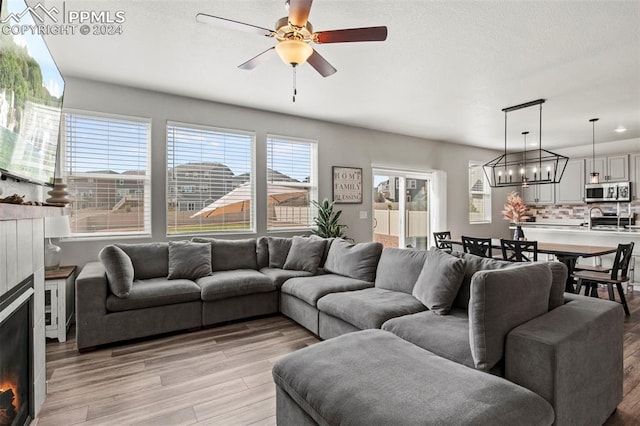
59,301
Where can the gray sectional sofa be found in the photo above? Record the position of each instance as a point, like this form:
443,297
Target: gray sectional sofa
511,320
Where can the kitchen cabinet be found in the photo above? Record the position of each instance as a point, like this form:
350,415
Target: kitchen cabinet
570,190
635,185
612,168
538,194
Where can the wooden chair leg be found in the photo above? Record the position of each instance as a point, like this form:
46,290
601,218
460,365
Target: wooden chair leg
594,290
623,299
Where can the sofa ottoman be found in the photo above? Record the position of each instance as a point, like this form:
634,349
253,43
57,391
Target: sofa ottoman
373,377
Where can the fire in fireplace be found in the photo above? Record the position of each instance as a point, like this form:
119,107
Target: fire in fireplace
16,355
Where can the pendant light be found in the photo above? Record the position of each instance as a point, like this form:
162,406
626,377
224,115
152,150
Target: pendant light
595,176
523,169
500,170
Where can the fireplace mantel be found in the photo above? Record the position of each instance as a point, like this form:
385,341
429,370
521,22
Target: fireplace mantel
25,211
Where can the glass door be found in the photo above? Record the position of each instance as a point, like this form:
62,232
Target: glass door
401,213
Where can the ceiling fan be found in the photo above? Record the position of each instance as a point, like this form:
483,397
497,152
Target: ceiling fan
294,34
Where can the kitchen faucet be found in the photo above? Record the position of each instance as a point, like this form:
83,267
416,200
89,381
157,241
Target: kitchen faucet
590,210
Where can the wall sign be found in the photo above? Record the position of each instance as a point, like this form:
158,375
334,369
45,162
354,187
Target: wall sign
347,185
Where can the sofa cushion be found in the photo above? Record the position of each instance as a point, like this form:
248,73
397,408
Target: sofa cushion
310,289
278,251
357,261
369,308
189,260
446,336
473,264
262,252
150,260
398,269
155,292
327,247
227,255
279,276
375,378
500,301
305,254
225,284
118,268
439,281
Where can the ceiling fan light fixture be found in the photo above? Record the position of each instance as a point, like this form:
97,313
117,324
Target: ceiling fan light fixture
294,52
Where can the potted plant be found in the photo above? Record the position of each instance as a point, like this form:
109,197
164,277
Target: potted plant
515,210
326,222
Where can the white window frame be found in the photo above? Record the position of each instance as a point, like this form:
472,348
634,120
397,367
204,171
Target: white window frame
312,184
146,232
486,193
190,175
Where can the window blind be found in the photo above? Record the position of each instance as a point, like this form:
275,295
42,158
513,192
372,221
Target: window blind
210,186
291,182
106,162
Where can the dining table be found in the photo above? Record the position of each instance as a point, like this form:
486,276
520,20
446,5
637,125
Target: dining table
565,253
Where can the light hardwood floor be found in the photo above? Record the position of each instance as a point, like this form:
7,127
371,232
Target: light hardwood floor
215,376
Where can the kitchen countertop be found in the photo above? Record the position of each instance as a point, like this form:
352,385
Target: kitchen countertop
577,228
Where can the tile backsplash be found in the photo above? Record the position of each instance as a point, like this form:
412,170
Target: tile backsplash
580,211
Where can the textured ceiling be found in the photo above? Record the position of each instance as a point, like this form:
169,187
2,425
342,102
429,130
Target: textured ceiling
444,73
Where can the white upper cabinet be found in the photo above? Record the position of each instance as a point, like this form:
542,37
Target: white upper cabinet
538,194
613,168
635,162
570,190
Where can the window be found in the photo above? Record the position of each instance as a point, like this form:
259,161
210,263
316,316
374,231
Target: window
213,165
106,162
291,182
479,195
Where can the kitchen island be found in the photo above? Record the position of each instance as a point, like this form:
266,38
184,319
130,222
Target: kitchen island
574,231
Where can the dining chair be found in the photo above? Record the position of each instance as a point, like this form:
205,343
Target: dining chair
519,251
617,276
478,246
444,235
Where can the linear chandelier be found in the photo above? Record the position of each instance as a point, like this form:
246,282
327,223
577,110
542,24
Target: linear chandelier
525,168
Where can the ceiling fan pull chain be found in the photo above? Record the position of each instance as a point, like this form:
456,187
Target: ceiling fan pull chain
295,91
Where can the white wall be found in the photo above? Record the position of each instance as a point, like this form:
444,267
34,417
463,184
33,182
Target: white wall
338,145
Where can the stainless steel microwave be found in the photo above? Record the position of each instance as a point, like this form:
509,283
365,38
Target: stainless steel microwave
610,192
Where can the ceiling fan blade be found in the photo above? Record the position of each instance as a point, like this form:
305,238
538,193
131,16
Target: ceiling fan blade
351,35
233,25
321,65
299,12
255,61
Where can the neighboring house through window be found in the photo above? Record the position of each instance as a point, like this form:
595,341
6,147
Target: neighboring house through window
214,165
105,159
291,182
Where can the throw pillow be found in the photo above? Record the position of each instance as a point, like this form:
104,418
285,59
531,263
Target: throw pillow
439,281
357,261
189,260
500,301
278,251
305,254
474,264
119,269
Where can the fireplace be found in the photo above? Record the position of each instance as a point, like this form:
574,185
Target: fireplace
16,360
